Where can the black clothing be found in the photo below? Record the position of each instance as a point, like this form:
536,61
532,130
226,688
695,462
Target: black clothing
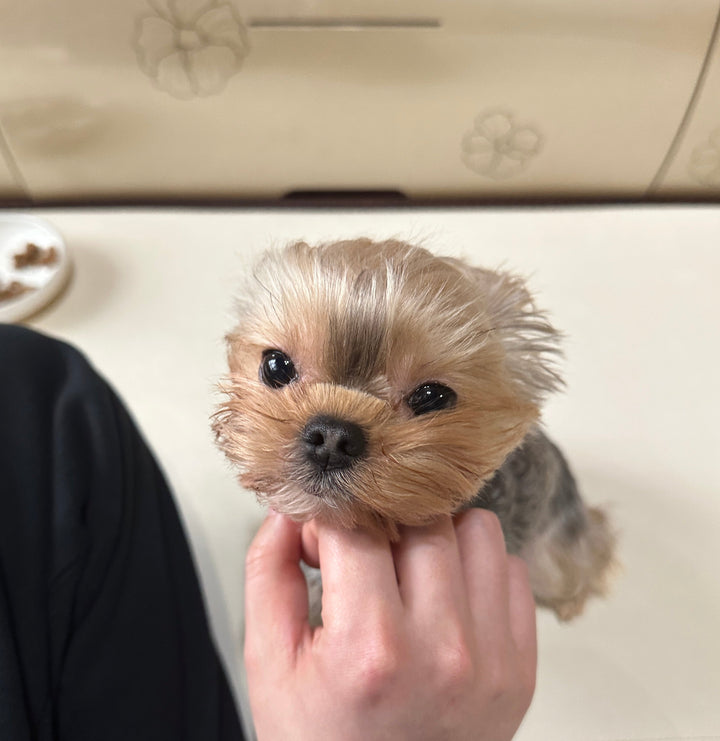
103,632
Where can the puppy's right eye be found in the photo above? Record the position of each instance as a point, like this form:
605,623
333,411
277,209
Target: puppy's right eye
277,369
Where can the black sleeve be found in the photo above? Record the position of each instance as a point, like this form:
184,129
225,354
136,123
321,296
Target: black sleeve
103,632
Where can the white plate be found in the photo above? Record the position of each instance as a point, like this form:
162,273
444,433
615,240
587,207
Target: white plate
44,282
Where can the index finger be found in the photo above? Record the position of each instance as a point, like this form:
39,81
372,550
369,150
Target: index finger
276,602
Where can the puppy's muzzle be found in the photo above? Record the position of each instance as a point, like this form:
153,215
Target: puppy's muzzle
332,444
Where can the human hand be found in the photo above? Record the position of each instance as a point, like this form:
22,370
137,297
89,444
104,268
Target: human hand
432,637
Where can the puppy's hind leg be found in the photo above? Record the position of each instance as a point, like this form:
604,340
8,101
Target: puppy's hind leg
568,547
572,557
567,565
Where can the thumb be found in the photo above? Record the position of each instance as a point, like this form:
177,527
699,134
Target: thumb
276,602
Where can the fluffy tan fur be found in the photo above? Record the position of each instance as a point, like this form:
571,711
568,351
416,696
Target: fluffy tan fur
365,324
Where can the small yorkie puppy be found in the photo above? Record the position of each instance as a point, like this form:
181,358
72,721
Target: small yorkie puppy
375,384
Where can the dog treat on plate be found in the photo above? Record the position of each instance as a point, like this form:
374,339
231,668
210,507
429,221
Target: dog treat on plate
35,255
376,384
13,290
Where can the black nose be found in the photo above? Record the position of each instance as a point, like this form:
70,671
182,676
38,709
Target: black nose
332,444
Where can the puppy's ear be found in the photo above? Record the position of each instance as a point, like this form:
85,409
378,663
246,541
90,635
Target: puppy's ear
530,342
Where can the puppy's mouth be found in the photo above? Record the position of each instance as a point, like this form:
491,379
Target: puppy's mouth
329,486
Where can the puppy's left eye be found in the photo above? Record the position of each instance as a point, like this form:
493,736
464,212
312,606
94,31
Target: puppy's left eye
277,369
431,397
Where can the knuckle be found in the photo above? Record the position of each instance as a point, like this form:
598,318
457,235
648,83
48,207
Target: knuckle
499,681
378,665
455,668
500,689
508,681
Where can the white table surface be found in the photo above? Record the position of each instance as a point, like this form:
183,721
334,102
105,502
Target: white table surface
637,290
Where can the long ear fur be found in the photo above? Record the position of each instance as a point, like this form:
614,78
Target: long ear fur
531,343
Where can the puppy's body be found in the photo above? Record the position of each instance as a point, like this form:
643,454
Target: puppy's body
567,546
375,384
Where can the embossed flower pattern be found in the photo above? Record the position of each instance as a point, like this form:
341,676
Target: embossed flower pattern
704,166
497,147
190,48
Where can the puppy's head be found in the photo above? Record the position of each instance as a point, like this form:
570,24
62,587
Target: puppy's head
375,384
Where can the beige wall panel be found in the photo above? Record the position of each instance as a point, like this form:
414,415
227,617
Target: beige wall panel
192,98
9,189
